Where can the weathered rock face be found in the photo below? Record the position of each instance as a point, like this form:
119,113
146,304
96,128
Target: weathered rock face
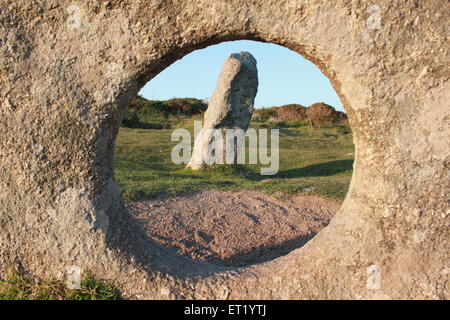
69,70
230,107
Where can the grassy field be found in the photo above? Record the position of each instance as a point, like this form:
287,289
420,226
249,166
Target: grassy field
314,161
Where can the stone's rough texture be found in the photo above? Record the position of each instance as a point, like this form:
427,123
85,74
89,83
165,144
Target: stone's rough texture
69,69
230,107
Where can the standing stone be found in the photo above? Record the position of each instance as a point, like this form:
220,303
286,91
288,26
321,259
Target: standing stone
230,107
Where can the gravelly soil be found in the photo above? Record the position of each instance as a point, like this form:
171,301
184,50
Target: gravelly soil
233,228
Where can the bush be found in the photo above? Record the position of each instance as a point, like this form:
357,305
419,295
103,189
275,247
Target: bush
131,120
264,114
291,112
147,114
321,114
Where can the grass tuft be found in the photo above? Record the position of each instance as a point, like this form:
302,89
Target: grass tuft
20,287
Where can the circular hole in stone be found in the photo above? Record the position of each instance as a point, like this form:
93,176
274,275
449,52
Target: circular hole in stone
231,214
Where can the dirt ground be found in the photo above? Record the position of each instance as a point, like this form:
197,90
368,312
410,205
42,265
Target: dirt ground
233,228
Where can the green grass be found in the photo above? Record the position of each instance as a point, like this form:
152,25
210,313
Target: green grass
313,161
19,287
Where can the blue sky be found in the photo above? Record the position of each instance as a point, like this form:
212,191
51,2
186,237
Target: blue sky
284,76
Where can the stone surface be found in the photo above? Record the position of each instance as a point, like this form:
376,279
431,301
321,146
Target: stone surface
230,107
69,69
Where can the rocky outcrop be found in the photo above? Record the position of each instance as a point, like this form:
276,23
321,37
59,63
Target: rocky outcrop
230,107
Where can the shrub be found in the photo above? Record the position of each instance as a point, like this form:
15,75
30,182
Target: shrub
19,287
147,114
131,120
321,113
264,114
291,112
186,107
